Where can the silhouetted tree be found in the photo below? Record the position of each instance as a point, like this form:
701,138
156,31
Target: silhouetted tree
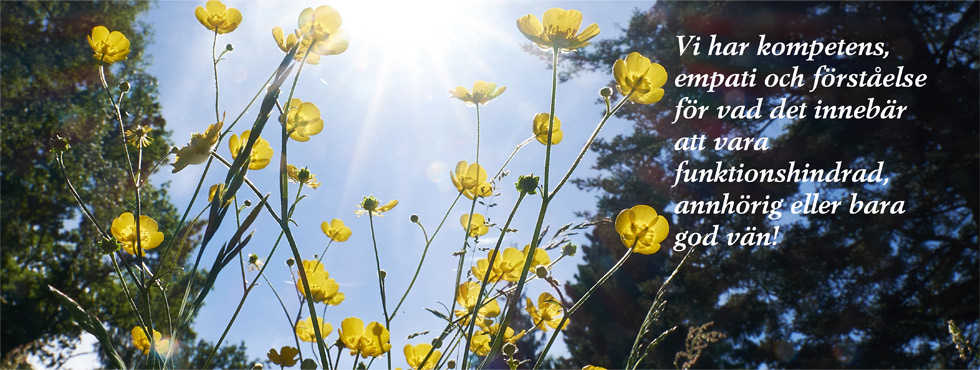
837,290
51,86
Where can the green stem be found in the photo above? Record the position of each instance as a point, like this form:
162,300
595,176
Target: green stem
428,242
551,118
214,64
518,148
545,199
477,135
648,320
589,142
284,222
381,280
486,277
462,256
578,304
248,290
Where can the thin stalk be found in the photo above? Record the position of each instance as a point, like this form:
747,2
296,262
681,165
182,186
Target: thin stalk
578,304
324,253
284,310
649,317
381,280
241,303
545,199
284,223
462,256
214,63
519,146
486,277
588,143
477,134
428,242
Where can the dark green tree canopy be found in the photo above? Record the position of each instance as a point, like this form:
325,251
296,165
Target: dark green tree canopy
51,87
838,290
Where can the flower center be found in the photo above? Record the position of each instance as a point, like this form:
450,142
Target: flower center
216,20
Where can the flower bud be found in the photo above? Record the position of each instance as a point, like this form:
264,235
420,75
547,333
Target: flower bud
248,203
569,249
290,262
451,364
61,144
414,218
383,274
541,271
509,349
605,92
109,245
229,47
436,343
527,184
124,86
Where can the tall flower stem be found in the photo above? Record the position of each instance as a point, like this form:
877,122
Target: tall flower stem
284,222
428,242
477,134
545,200
578,304
381,279
486,277
635,354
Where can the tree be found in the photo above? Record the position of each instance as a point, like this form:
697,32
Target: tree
51,87
837,290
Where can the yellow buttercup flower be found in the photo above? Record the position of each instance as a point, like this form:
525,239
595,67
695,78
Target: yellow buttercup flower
559,31
199,148
480,343
637,75
303,120
471,179
304,329
476,224
285,357
261,151
109,47
367,341
303,176
287,42
540,128
540,256
142,342
323,288
548,313
482,93
217,189
641,225
323,26
124,229
415,354
507,265
216,17
590,367
466,296
335,230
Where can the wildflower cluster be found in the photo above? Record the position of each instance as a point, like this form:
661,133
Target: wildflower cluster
480,319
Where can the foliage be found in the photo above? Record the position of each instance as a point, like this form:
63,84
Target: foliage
837,290
51,87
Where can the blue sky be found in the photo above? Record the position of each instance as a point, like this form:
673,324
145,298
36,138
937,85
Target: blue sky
390,130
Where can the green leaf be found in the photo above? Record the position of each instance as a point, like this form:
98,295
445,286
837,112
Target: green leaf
91,324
